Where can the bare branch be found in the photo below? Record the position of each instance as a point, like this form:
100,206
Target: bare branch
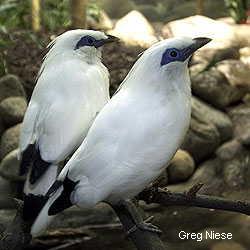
143,240
17,234
152,195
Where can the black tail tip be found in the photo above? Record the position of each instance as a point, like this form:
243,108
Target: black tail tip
32,206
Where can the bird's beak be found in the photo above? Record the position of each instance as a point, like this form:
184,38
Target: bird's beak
111,39
198,43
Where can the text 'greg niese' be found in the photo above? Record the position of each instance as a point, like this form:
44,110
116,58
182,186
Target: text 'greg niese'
205,235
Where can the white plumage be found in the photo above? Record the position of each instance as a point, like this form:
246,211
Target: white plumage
134,136
72,87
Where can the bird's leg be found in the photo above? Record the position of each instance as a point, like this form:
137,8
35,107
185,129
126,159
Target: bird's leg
139,222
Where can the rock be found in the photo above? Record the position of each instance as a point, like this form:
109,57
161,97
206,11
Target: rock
213,87
245,138
212,56
242,34
234,172
246,99
240,116
9,140
234,164
134,29
152,11
223,34
241,31
236,72
207,114
227,245
6,215
117,8
229,150
245,55
206,173
201,140
1,127
12,110
10,85
10,165
181,167
6,189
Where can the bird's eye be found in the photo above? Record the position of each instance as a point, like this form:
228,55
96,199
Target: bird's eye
90,40
173,53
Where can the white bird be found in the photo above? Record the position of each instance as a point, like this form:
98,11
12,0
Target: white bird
133,137
72,87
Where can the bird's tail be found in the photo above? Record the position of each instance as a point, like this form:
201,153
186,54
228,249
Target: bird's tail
44,219
35,194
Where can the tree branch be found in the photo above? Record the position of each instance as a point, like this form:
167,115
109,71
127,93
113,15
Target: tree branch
192,199
17,234
143,240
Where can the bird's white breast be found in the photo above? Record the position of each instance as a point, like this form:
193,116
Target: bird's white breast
131,140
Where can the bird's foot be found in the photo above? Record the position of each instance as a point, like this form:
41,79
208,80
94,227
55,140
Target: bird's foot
164,190
145,226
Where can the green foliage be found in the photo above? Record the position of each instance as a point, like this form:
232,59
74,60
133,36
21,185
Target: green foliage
14,13
93,10
5,41
55,14
237,10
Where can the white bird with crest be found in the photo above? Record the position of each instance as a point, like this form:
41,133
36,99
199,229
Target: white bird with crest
72,87
133,137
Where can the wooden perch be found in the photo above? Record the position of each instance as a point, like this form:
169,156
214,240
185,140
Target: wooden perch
17,234
192,199
143,240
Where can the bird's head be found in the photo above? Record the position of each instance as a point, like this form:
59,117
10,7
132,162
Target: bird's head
85,42
178,50
175,52
165,64
166,61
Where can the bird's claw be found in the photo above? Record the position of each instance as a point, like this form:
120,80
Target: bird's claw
145,226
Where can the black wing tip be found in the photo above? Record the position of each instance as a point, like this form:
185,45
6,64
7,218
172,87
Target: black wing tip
63,201
39,167
32,206
59,205
31,157
27,156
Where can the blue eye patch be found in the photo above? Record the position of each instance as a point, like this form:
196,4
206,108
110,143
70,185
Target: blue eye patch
89,41
173,54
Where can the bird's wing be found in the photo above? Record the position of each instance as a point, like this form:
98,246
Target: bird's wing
27,135
69,117
59,115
